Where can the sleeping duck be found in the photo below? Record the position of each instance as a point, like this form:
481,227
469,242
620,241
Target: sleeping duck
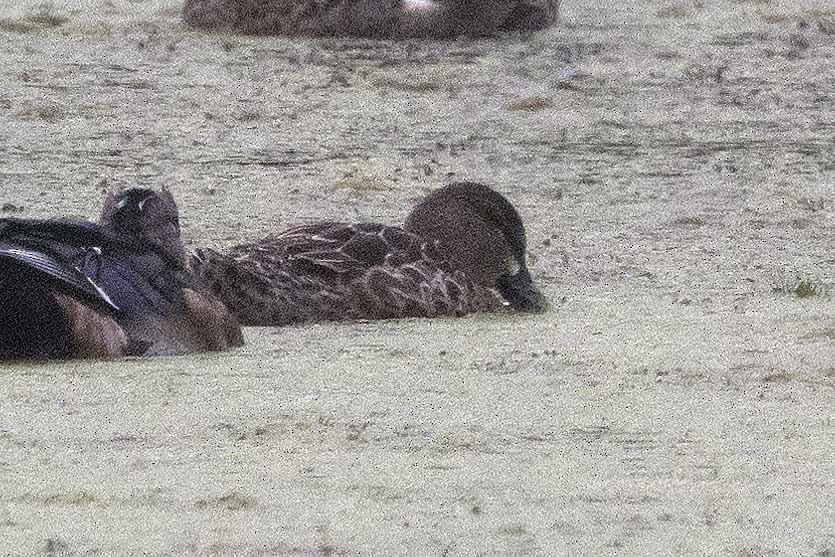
76,289
371,18
461,250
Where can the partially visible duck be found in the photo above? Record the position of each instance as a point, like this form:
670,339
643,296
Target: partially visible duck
371,18
77,289
461,250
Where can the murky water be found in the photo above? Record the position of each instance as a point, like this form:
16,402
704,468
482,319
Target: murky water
674,166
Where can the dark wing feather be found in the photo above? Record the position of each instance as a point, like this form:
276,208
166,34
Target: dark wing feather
427,287
58,269
93,262
66,232
52,248
331,252
140,282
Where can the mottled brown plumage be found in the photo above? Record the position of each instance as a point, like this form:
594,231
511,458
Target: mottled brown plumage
371,18
460,247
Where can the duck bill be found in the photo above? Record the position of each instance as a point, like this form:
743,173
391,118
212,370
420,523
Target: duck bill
521,293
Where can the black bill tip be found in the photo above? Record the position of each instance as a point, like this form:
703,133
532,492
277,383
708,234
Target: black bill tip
521,293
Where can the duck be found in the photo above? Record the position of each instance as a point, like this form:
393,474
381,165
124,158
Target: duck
461,250
75,289
378,19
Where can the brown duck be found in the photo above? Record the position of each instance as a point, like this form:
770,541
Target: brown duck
371,18
76,289
461,250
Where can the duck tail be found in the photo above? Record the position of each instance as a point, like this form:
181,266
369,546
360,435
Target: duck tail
257,298
211,268
262,17
237,288
210,14
533,15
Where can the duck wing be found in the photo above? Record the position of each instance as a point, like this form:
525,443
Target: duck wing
332,253
336,271
304,273
422,286
78,289
94,263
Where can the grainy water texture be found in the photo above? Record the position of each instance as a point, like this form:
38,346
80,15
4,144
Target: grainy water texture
674,163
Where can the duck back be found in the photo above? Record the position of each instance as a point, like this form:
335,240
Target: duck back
381,19
335,271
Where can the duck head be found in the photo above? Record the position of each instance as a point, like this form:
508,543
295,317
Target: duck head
482,235
147,215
